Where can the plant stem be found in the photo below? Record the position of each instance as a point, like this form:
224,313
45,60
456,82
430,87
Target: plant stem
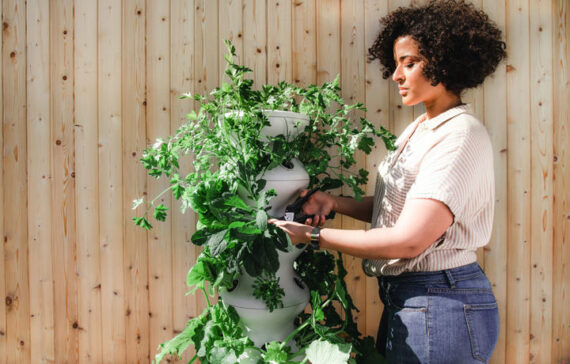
207,298
302,326
292,335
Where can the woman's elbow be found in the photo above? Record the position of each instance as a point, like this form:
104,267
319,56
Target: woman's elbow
409,245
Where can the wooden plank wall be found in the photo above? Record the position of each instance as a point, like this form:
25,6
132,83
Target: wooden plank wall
86,85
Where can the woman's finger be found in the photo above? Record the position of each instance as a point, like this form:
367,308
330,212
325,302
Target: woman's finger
316,220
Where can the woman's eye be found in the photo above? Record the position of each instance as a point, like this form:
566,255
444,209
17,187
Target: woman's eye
409,65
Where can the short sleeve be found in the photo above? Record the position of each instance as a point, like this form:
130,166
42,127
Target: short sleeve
448,171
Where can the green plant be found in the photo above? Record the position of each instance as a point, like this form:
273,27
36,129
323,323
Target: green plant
226,189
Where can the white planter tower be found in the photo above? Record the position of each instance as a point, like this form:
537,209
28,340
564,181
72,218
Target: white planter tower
261,325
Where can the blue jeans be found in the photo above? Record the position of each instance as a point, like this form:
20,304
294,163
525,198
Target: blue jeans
447,316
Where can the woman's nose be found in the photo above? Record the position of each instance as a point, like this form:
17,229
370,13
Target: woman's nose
397,76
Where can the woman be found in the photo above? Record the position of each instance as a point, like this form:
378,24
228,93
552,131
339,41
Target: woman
434,199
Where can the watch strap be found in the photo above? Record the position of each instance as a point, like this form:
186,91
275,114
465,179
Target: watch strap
315,237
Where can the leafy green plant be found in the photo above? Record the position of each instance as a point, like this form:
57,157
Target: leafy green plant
226,188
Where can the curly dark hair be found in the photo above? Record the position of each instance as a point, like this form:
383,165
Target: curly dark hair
461,44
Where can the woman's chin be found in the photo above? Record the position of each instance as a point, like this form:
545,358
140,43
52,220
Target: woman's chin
409,102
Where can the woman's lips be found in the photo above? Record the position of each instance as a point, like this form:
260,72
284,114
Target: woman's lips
403,90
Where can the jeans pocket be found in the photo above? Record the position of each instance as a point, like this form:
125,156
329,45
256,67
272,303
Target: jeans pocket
483,326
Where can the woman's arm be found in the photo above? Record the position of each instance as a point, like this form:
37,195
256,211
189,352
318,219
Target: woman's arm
420,224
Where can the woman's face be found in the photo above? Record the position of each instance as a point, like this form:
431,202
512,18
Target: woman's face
413,85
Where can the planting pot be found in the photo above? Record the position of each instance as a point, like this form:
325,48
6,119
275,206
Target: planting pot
261,324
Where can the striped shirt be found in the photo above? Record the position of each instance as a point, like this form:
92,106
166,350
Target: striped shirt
447,158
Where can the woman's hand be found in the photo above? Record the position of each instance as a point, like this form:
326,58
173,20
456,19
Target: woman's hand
299,233
319,204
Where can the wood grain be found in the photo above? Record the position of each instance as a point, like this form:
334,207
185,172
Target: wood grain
519,183
64,238
183,225
304,43
561,169
279,39
111,181
158,126
135,261
86,128
14,183
541,181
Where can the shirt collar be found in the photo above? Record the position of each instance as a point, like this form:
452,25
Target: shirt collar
446,115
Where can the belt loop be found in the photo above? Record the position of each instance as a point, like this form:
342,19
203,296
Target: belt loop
450,278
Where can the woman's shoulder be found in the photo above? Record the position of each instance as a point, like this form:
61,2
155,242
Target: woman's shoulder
465,124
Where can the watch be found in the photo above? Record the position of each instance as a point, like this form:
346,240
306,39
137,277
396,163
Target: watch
315,237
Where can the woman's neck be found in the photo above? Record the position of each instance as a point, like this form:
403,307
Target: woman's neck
444,102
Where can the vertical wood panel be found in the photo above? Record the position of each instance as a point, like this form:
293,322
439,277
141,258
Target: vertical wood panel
134,179
304,47
230,25
87,178
39,184
353,91
495,118
328,40
541,181
14,159
3,323
206,37
377,104
183,225
400,114
561,170
110,181
63,223
158,126
279,39
255,39
519,203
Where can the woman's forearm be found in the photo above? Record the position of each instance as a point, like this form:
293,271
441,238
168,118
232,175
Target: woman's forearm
384,243
360,210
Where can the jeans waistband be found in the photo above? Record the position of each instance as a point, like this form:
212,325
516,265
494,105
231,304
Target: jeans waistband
450,276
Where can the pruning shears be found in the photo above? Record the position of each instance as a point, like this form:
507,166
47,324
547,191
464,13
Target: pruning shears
294,212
